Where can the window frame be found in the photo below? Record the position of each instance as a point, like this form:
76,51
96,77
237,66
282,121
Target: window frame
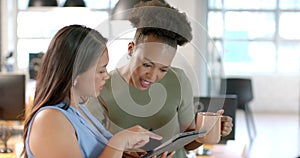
277,40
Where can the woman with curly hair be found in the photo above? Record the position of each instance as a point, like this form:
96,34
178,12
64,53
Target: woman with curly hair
148,91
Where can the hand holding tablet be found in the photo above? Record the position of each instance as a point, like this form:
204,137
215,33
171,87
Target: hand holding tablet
156,147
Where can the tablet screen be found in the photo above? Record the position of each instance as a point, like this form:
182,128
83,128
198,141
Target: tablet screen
156,147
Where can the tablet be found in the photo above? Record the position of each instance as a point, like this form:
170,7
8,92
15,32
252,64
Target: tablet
155,147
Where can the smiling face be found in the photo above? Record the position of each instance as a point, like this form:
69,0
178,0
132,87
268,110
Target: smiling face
150,61
91,82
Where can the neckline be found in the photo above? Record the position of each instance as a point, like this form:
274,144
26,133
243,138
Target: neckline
89,123
121,78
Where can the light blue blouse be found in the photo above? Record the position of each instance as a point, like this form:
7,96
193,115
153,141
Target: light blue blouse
91,139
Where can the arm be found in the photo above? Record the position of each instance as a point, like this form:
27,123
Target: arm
126,140
194,144
186,111
52,135
226,128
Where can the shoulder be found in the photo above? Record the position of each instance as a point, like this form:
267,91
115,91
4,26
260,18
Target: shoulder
50,119
49,115
113,72
49,128
184,80
178,72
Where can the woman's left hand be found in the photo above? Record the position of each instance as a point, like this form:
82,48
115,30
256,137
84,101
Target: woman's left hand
226,124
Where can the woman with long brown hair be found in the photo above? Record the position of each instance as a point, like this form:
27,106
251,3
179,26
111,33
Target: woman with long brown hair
58,125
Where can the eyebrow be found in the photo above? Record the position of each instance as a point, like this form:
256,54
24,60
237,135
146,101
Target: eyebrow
150,61
154,63
104,65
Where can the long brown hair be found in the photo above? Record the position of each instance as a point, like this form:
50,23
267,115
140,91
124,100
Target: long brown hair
73,50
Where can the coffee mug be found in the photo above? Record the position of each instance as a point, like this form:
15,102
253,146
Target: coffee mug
211,122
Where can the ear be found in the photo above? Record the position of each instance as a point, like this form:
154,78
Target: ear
130,48
75,81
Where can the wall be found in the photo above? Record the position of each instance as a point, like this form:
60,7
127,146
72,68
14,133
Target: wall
0,35
8,28
2,32
276,93
191,57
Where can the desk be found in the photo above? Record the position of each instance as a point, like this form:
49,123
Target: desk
13,134
232,149
15,143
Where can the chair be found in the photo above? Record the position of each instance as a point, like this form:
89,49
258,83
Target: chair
242,87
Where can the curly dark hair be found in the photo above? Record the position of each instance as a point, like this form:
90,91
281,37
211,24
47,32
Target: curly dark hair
163,21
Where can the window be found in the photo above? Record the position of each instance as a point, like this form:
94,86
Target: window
256,36
37,25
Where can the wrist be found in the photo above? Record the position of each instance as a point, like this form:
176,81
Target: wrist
117,143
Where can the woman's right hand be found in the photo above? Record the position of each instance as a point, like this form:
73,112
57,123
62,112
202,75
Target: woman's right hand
132,138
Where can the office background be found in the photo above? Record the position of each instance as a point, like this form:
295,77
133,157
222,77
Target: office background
257,39
254,39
